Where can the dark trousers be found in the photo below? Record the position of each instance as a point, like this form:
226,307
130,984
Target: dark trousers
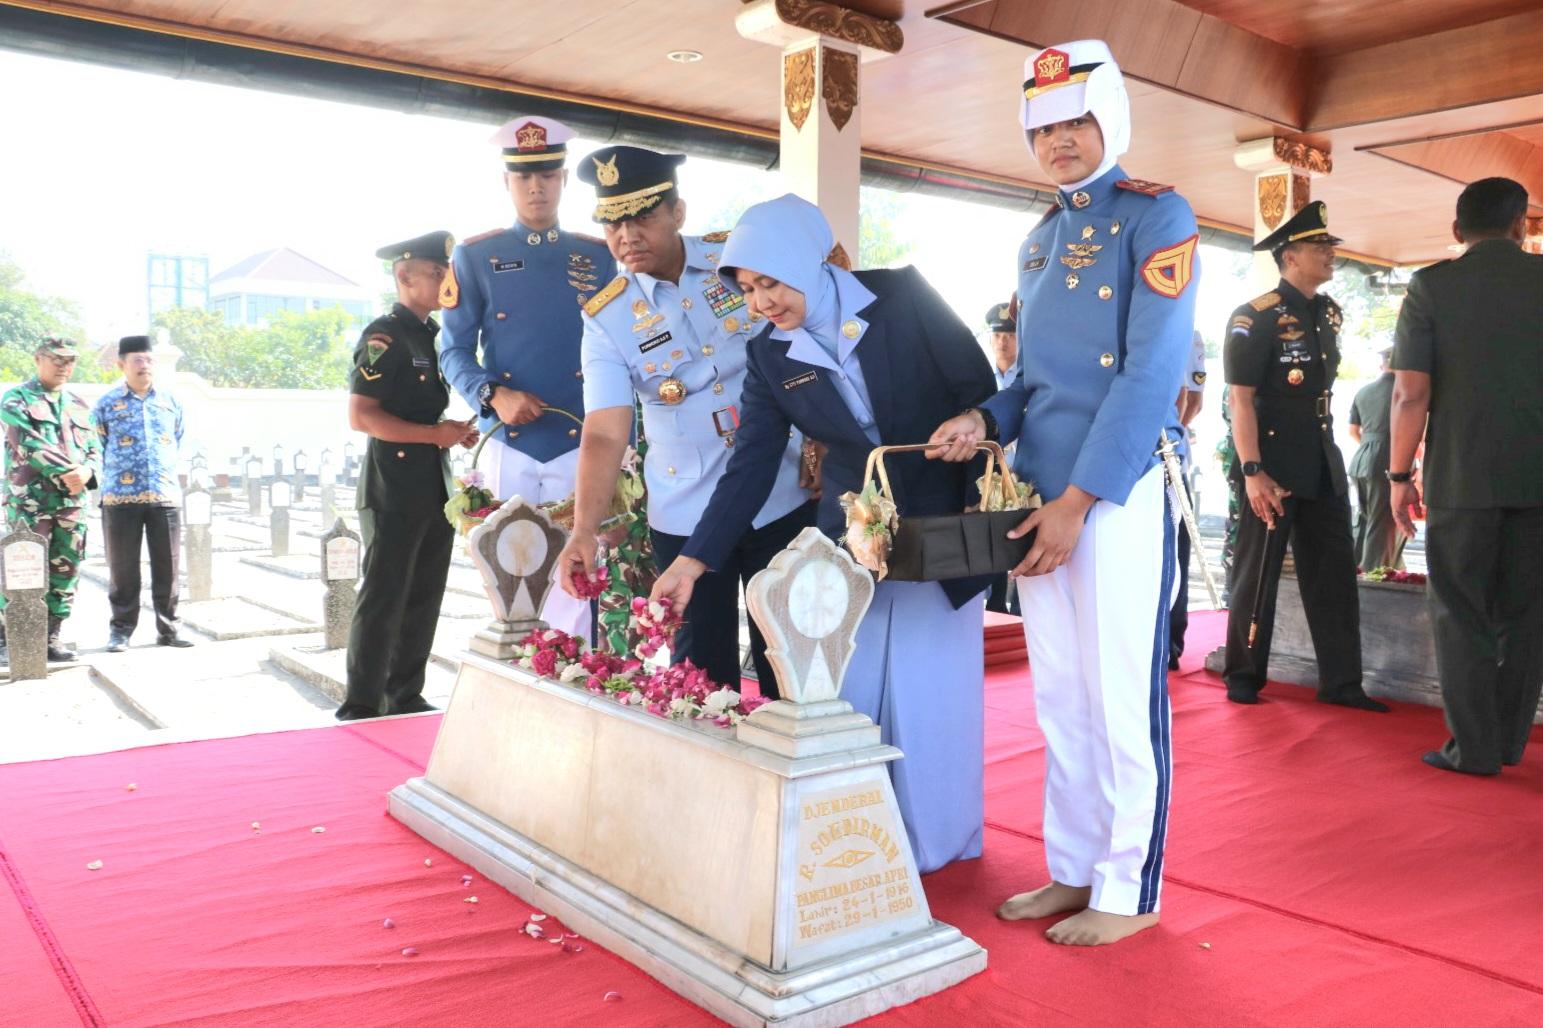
124,525
1485,592
1003,597
1319,531
1378,542
406,562
710,635
1178,617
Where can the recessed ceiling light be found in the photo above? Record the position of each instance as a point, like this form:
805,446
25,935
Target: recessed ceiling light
684,56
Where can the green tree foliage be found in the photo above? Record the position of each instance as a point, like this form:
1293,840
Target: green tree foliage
26,318
879,242
294,351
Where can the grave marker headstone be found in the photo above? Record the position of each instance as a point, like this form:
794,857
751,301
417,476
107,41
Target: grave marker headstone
254,487
339,573
298,478
197,517
515,551
24,576
278,521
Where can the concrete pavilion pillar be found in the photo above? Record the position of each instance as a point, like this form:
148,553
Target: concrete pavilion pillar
824,47
1283,170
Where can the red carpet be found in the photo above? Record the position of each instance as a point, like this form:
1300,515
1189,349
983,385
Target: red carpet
1333,878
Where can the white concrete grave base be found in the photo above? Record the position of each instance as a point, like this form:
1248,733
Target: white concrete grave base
769,890
762,872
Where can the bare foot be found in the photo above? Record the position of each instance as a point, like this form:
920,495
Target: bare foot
1096,928
1054,898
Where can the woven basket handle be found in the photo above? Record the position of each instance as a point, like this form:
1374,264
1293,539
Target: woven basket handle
995,458
496,425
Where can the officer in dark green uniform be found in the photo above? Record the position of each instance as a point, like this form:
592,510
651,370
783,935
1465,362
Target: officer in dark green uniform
1378,543
1281,356
397,400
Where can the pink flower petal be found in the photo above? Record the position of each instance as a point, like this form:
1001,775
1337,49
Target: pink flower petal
428,861
388,923
611,997
411,951
538,917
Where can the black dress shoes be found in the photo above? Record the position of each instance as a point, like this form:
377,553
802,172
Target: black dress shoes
1357,700
173,640
354,712
1438,760
117,642
416,705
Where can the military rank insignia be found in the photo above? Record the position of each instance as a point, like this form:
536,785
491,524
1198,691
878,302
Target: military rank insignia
449,289
1167,272
722,299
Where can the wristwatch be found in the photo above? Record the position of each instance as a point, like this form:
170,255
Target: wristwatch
1251,468
485,397
1401,476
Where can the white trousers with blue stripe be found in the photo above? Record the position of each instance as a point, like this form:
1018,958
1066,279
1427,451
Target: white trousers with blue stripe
1097,630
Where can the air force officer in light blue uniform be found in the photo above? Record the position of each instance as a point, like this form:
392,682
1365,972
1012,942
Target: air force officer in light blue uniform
514,295
1105,284
669,332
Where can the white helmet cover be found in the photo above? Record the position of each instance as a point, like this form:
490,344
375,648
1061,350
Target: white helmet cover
1073,79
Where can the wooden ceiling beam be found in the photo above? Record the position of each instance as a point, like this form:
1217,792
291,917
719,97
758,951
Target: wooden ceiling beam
1162,42
1464,67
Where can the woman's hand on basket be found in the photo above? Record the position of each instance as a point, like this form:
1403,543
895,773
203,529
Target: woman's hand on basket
1057,526
450,433
515,407
678,581
956,438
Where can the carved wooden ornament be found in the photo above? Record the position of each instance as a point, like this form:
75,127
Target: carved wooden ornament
1272,200
798,86
838,84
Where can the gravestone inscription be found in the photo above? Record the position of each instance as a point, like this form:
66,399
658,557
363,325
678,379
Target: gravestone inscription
340,573
24,576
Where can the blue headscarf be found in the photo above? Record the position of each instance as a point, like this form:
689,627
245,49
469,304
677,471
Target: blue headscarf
788,239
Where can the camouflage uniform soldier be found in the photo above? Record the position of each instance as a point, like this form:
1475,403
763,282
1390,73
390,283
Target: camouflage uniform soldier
52,454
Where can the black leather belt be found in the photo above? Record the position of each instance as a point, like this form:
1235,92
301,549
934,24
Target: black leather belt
1319,404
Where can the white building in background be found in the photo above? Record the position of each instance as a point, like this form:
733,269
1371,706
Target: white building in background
253,290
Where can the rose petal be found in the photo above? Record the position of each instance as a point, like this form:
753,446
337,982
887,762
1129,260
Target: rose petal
1205,945
95,865
469,899
573,947
257,826
131,787
611,997
411,951
318,830
388,923
428,862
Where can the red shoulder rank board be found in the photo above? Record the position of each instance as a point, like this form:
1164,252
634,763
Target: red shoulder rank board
1140,185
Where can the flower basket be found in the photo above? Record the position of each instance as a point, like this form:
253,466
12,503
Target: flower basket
473,502
936,548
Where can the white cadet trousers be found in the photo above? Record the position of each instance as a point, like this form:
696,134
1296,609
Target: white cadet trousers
512,473
1097,630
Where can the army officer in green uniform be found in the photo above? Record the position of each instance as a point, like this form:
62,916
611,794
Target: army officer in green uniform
52,455
1378,543
397,400
1281,358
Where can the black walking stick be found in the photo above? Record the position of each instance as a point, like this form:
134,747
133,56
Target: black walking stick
1264,571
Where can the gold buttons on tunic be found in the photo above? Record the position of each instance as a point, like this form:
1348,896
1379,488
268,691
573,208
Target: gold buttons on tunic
572,432
708,351
731,324
1106,359
676,355
1072,280
1270,432
1104,292
851,329
1114,229
670,470
506,375
1034,248
513,434
665,366
718,388
578,374
423,378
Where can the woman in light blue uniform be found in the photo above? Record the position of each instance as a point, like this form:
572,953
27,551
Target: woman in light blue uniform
857,360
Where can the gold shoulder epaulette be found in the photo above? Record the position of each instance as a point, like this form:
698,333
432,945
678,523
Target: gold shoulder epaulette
1142,186
1265,302
715,237
480,236
597,302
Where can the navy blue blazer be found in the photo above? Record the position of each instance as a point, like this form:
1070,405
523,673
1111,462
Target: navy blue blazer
922,366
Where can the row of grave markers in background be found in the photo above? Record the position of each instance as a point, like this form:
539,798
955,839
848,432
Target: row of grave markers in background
24,570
